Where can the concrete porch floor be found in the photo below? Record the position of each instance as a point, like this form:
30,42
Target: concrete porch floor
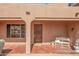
47,48
14,48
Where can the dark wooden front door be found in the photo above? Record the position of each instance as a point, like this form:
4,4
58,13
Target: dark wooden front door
37,33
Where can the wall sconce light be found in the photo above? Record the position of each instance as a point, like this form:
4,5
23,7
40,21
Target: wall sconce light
27,12
72,29
77,14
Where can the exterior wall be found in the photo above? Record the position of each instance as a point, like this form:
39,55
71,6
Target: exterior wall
51,30
37,10
3,31
73,34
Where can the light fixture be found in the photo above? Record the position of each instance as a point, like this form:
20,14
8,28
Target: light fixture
77,14
27,12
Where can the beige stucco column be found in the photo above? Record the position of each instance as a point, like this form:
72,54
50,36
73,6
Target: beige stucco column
72,33
72,39
28,37
28,17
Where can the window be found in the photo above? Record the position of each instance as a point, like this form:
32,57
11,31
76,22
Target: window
15,30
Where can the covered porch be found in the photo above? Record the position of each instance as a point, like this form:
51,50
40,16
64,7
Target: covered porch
45,33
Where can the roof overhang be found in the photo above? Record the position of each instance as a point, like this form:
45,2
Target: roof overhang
58,18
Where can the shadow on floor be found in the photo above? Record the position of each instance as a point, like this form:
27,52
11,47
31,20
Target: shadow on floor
5,52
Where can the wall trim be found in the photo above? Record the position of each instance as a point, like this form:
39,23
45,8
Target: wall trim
56,18
10,17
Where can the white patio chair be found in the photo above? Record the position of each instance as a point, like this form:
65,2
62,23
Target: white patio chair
76,45
62,41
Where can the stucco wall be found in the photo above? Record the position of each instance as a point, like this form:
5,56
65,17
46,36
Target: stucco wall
3,31
37,10
52,29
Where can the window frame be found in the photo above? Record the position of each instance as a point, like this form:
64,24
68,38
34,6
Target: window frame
9,35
